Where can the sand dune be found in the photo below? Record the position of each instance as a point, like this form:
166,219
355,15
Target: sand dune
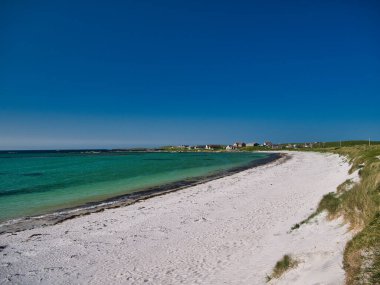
228,231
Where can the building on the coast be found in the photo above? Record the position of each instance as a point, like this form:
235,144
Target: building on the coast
239,144
230,147
183,146
213,146
309,145
200,147
276,146
253,144
268,144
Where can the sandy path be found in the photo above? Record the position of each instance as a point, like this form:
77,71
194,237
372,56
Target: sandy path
227,231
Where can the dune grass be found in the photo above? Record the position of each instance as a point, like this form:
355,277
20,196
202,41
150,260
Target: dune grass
359,205
283,265
330,202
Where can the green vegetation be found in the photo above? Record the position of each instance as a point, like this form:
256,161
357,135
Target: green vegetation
330,202
362,255
359,205
283,265
348,143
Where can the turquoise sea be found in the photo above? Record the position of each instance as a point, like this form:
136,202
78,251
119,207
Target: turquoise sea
35,183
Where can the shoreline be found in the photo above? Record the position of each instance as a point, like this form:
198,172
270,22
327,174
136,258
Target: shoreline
61,215
230,230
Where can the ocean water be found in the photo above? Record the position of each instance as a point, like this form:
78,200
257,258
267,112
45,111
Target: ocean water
36,183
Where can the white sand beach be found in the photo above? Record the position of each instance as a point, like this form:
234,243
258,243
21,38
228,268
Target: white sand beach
228,231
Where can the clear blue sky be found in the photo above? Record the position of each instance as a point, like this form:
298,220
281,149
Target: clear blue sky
122,73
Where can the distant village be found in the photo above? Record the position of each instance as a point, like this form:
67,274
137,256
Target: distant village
247,146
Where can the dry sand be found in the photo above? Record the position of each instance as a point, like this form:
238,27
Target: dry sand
228,231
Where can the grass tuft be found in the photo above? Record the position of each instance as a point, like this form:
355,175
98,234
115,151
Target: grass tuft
283,265
359,205
331,203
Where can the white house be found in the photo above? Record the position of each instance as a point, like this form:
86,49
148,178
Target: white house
252,144
268,143
239,144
